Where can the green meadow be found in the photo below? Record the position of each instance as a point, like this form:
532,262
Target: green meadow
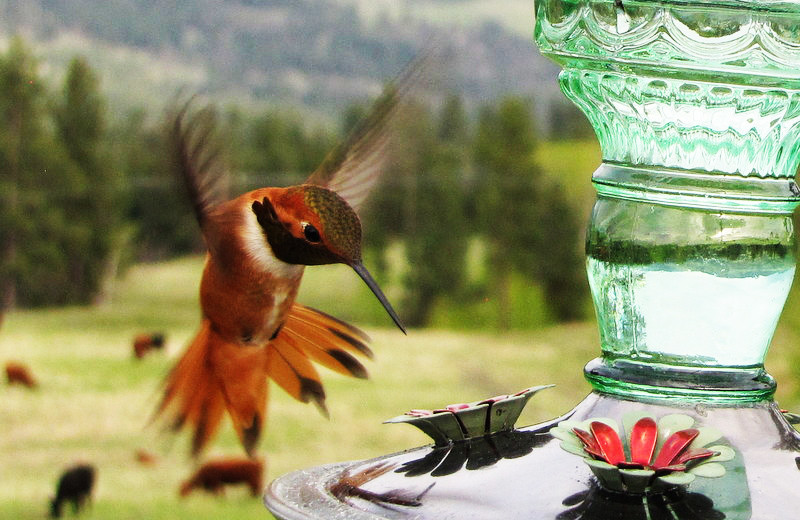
95,400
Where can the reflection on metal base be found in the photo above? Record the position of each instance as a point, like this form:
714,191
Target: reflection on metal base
525,474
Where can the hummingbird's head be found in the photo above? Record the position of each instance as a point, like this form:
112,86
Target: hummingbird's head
312,225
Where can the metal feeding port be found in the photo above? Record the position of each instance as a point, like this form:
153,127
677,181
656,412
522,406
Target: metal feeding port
460,422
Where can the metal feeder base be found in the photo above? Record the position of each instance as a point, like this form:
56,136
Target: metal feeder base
525,474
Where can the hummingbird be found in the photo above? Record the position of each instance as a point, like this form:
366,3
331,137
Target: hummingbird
252,330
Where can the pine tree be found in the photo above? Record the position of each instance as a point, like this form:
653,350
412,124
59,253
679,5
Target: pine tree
33,167
560,265
54,206
94,207
526,221
437,246
156,204
19,96
506,194
421,201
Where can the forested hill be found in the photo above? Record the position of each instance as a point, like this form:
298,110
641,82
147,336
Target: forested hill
318,54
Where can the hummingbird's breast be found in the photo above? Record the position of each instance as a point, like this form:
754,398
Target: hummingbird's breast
246,292
246,307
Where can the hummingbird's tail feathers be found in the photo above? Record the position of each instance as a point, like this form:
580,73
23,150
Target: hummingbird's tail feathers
319,346
291,369
197,157
192,395
310,335
328,340
241,373
214,375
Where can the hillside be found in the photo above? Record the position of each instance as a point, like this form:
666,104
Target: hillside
317,55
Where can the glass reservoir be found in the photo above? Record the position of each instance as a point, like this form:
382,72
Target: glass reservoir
681,291
690,250
710,296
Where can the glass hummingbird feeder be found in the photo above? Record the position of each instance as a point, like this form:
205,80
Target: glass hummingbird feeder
690,255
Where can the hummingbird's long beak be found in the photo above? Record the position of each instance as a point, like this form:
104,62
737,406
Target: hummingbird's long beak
373,285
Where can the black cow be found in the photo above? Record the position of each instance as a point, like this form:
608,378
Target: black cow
75,485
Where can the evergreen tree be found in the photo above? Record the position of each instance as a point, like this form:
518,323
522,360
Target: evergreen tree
420,201
38,179
58,215
158,206
453,129
94,206
281,147
527,223
20,97
506,195
437,244
560,265
16,69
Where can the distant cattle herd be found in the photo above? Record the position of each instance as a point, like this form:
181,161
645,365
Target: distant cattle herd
76,483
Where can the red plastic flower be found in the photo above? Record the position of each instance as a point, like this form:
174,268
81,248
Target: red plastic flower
602,442
652,456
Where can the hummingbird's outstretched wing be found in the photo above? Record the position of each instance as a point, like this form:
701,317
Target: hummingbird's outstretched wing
197,157
353,168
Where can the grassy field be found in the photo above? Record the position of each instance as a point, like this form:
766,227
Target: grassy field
95,399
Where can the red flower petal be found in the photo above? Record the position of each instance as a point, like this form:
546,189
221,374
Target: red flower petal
589,444
608,440
674,446
643,440
690,455
494,399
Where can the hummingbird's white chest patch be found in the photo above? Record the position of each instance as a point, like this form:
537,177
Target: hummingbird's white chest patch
278,307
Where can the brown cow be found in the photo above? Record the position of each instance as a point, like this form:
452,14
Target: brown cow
144,343
145,458
17,373
214,475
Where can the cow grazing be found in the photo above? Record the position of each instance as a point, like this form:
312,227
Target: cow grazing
144,343
145,458
17,373
214,475
75,485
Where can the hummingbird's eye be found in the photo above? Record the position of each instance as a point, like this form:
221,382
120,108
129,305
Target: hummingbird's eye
311,233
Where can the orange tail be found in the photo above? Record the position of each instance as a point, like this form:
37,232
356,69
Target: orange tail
242,375
214,374
191,393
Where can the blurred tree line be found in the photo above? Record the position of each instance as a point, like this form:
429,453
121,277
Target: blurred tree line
60,221
82,197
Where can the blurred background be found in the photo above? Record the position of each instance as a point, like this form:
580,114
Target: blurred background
476,235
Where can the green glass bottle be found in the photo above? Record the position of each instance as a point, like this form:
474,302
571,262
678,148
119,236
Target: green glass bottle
690,250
